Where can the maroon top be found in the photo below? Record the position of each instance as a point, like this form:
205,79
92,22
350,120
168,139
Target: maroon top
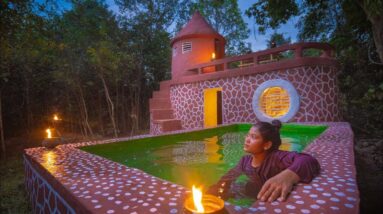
304,165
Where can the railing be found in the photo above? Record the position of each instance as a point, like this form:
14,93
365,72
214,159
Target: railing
284,52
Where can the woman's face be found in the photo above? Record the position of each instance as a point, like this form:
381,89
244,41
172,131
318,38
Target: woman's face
254,142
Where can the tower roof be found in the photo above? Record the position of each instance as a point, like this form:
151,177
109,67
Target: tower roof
197,27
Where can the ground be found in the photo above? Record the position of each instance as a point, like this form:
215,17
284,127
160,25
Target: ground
368,159
369,165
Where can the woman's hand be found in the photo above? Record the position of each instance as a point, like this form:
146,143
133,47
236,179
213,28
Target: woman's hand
278,186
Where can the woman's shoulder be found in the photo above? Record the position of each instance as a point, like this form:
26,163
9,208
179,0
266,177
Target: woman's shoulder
246,158
280,154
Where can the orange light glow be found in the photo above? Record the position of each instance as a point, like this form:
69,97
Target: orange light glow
213,55
55,117
49,133
49,159
197,198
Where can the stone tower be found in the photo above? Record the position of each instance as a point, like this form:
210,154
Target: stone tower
196,43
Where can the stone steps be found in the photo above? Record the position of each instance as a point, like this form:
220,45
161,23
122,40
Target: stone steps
161,114
159,103
168,125
161,110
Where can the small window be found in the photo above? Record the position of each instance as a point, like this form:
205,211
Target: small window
186,47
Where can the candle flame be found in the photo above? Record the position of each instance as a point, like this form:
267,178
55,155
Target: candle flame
197,198
49,133
55,117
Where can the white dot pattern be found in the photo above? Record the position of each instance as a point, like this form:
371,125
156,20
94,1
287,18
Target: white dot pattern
104,186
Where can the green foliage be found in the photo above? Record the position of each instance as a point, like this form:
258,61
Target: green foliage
278,39
272,13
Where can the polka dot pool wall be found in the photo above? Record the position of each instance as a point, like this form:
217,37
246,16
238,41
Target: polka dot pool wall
316,87
68,180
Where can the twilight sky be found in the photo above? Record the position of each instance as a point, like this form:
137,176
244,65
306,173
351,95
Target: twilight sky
257,41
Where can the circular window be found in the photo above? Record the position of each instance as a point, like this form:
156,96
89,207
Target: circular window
275,99
275,102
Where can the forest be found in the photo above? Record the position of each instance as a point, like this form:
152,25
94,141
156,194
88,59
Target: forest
96,68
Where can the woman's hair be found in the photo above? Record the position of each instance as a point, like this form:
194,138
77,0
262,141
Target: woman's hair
270,132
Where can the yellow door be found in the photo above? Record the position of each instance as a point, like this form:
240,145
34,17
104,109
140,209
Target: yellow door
210,106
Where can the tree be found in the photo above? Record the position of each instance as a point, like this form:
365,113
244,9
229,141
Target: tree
105,61
277,39
324,20
145,23
89,34
224,16
21,42
374,12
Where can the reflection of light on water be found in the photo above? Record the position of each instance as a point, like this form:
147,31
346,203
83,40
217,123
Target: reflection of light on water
197,152
289,144
49,161
233,147
189,152
212,149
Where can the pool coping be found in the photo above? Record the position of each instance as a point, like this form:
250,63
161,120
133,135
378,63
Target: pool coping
87,183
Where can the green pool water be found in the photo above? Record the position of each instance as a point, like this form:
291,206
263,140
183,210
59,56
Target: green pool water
199,157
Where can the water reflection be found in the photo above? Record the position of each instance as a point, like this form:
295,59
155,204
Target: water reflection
290,144
200,162
217,149
197,152
189,152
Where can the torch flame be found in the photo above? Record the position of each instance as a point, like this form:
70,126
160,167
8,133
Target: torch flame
197,198
55,117
49,133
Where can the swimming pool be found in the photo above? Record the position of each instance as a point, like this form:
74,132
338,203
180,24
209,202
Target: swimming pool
199,157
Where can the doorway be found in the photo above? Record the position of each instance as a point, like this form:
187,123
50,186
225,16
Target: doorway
212,107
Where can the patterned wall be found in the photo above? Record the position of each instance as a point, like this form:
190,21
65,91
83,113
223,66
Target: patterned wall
316,86
155,128
44,199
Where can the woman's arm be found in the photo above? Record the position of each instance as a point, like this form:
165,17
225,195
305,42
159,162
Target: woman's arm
299,167
278,186
222,186
304,165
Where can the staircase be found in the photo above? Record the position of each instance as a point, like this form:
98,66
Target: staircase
162,114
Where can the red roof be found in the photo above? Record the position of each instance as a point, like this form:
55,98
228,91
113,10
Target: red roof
197,27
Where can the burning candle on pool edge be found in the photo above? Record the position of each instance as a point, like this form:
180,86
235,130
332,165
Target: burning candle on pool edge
203,203
197,198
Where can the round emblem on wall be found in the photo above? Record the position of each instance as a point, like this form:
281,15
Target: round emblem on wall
275,99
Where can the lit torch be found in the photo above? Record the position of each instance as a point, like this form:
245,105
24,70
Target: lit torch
49,133
55,117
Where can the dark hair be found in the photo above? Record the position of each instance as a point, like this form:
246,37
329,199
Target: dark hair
270,132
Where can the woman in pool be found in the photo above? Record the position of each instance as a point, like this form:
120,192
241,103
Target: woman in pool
272,173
